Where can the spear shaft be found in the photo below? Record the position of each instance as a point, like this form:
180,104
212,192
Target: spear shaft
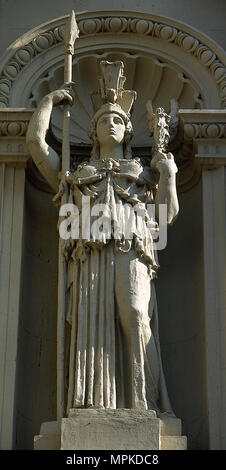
70,33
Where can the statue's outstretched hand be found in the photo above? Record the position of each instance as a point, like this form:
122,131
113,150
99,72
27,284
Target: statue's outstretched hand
62,95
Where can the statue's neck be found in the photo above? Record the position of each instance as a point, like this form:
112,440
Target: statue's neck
111,152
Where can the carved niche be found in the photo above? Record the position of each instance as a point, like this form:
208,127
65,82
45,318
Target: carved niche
165,62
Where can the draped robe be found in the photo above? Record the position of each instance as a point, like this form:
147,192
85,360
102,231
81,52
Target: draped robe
114,358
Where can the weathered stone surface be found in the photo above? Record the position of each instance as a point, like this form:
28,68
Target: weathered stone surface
170,426
49,437
173,443
110,430
120,429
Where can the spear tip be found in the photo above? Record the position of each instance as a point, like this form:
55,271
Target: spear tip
70,32
74,26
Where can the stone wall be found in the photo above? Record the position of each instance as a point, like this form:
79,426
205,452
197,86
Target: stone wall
204,15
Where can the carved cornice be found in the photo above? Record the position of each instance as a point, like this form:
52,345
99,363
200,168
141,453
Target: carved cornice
18,160
211,161
106,23
13,128
14,122
194,131
205,133
205,124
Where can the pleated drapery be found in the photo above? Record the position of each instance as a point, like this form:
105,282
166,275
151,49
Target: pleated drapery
92,380
105,372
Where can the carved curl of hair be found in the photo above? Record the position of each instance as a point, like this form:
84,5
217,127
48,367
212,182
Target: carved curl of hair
95,152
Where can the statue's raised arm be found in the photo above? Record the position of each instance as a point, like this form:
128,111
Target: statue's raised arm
163,162
45,158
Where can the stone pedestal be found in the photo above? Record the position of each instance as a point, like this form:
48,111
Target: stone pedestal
49,437
121,429
110,430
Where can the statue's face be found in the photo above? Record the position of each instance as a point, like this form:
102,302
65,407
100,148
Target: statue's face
110,129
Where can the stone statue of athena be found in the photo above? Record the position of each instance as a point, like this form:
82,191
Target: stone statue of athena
112,348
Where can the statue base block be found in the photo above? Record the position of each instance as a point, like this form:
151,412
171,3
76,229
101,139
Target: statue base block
110,430
120,429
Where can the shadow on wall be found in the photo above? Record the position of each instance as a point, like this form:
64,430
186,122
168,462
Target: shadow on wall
36,371
181,315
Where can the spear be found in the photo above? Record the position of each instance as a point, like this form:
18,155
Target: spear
69,33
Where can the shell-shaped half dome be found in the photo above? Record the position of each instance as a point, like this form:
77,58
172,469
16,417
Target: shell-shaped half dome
152,78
